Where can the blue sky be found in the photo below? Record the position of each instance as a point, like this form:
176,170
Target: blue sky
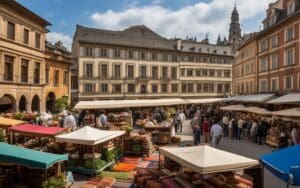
169,18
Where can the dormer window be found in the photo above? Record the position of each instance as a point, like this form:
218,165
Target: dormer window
290,8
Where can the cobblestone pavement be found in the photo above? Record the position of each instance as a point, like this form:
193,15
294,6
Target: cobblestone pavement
241,147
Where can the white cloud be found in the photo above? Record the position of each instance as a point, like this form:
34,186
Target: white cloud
65,39
211,17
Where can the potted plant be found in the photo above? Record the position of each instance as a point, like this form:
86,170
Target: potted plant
55,182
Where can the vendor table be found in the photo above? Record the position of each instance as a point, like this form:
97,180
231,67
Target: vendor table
163,133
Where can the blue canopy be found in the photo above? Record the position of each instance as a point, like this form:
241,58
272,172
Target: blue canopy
28,157
284,163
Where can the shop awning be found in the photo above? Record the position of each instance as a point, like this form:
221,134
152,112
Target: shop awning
289,98
280,163
293,112
88,136
34,130
28,157
115,104
237,107
6,122
258,110
257,98
204,101
205,159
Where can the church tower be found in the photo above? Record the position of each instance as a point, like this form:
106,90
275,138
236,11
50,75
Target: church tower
235,29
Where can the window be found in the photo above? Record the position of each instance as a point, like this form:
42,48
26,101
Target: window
190,88
24,70
131,88
164,72
174,88
38,40
143,71
37,73
103,71
66,78
165,57
104,88
142,55
56,77
288,82
204,72
130,71
226,87
210,87
211,73
103,52
174,72
263,45
227,74
274,58
205,87
182,72
174,58
263,84
88,52
263,64
274,41
74,82
198,72
191,58
143,89
47,75
117,53
154,88
219,73
199,88
117,71
291,8
89,88
274,84
289,57
8,67
164,88
10,30
130,54
117,88
219,88
183,88
26,36
190,72
155,72
153,56
89,70
290,34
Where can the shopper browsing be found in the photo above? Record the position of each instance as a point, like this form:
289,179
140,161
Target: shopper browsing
216,133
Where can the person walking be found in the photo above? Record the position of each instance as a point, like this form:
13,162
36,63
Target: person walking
260,132
225,122
205,130
241,123
248,131
69,122
253,131
197,134
230,128
294,135
216,133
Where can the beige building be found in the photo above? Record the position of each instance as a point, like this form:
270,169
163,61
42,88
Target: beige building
57,73
139,63
245,68
22,64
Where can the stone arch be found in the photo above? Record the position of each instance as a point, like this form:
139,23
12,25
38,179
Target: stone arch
50,101
35,104
8,103
23,104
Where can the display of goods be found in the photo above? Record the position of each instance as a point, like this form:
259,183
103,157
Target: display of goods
175,139
57,182
99,183
132,160
136,148
91,155
124,167
164,139
109,154
3,137
118,175
94,164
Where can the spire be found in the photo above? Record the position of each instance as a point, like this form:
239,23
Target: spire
235,29
219,40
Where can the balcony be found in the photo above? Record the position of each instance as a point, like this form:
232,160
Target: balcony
167,79
143,78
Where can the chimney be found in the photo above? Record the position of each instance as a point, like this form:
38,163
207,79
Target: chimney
179,44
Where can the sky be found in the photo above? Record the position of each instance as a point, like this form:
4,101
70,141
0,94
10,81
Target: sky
169,18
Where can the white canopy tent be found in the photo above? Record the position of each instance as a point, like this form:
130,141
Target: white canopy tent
237,107
293,112
204,101
289,98
257,98
88,136
205,159
114,104
258,110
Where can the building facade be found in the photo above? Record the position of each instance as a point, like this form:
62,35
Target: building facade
245,68
57,74
22,62
278,48
139,63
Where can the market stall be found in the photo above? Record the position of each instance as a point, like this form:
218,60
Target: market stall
161,133
209,166
260,98
238,107
258,110
290,98
205,101
98,148
35,137
36,166
284,164
5,124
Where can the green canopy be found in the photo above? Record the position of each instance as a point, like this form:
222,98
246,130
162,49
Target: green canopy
28,157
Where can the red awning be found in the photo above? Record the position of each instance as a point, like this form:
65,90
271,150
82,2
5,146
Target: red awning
34,130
